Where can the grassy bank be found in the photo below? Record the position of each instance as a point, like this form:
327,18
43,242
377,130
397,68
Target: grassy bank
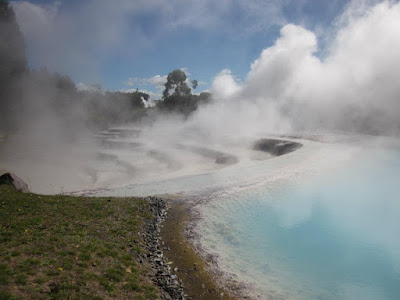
59,247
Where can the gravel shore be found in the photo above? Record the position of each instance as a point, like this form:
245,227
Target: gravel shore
162,274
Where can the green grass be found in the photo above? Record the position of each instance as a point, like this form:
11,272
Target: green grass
61,247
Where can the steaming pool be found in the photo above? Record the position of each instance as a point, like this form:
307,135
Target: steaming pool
321,222
331,237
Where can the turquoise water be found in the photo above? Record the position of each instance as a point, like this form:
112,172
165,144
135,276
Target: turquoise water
332,237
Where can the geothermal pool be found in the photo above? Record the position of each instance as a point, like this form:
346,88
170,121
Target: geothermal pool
318,223
327,235
321,222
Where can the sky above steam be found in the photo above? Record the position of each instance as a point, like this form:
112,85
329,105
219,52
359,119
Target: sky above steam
133,44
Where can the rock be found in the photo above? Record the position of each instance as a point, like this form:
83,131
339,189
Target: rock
167,296
226,159
276,147
18,183
171,288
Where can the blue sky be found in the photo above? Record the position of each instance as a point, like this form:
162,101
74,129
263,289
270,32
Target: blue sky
123,44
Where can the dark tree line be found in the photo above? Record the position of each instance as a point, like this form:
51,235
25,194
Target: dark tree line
12,66
177,95
28,95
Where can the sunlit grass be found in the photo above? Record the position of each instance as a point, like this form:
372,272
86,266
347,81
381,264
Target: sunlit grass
58,247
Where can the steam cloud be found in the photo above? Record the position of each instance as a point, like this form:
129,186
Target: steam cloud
354,87
290,87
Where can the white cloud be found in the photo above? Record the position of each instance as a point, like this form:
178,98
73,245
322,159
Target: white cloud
157,81
153,95
84,37
94,87
249,16
83,87
186,71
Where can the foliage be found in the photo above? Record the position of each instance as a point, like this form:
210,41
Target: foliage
12,66
194,83
176,81
29,96
111,108
177,95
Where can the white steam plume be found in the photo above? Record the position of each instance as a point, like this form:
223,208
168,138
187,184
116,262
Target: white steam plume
355,87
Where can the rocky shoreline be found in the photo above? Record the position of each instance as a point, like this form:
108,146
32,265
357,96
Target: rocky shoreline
230,282
190,265
198,269
162,274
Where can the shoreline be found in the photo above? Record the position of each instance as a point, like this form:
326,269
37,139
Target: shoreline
239,288
181,269
171,286
198,270
188,265
174,251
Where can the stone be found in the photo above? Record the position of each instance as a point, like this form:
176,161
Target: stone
276,147
226,159
18,183
162,271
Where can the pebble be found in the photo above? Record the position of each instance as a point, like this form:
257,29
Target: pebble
170,284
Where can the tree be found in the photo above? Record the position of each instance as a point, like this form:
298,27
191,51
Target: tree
205,97
12,66
12,47
176,81
177,95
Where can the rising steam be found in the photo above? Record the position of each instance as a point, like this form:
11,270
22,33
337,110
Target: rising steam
353,88
352,85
